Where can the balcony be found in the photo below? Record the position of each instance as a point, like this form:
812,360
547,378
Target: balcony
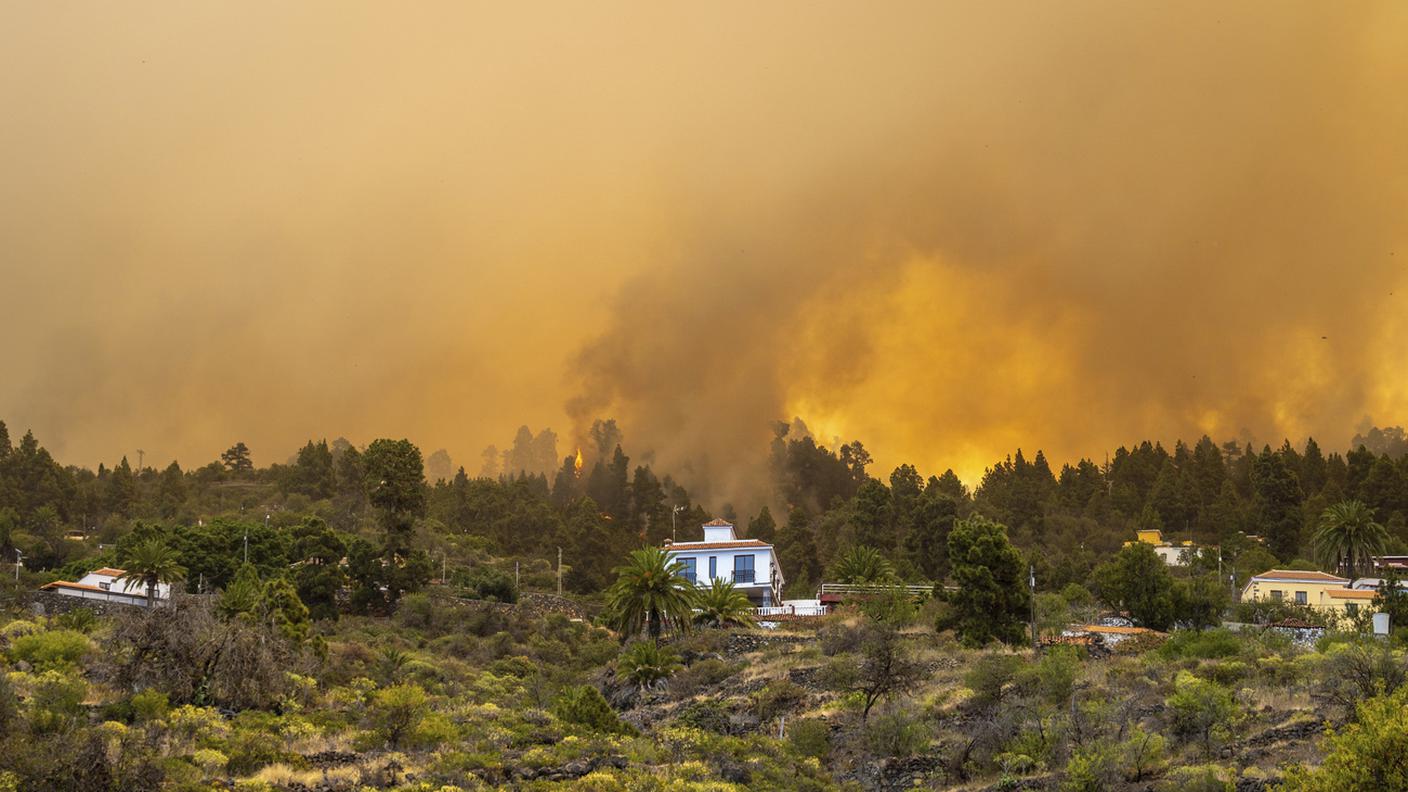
743,575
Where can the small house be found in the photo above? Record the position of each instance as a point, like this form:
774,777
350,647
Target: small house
751,565
104,585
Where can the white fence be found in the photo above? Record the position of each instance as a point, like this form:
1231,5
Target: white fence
874,588
789,610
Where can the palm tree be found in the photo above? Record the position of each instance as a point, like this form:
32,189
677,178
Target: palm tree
721,604
645,663
861,565
149,563
651,593
1347,535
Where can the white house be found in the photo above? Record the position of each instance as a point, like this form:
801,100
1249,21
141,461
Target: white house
750,564
103,584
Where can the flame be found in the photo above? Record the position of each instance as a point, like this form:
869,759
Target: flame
577,463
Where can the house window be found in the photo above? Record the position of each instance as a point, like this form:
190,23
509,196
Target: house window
688,569
104,586
1301,598
713,567
743,569
1277,596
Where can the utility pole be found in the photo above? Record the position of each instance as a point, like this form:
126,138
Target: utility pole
1031,585
19,562
673,512
559,572
140,455
515,574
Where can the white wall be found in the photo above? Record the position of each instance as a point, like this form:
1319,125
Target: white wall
762,564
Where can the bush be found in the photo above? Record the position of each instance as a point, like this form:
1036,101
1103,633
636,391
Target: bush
1203,645
709,715
701,674
989,675
1202,710
583,705
897,732
396,711
488,583
149,705
79,620
1367,754
777,697
52,649
56,701
644,663
1091,769
837,637
810,737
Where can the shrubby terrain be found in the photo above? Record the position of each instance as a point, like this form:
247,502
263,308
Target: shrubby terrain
342,623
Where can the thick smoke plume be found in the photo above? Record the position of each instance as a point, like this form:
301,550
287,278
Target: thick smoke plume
944,229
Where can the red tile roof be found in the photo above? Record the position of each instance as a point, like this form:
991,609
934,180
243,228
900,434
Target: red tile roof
1359,594
684,546
109,571
1100,628
85,587
717,523
1300,575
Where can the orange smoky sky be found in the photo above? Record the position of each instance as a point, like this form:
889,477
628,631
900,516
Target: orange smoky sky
946,229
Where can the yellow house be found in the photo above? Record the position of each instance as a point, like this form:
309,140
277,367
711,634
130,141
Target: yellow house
1318,590
1170,552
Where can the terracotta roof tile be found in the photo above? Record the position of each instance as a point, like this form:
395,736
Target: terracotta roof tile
1359,594
1300,575
109,571
717,523
688,546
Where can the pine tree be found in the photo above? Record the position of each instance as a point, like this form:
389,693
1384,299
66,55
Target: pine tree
762,527
1278,499
796,551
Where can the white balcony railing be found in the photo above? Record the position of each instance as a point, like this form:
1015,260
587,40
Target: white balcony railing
789,610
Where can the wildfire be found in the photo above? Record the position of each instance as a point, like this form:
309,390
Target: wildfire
577,463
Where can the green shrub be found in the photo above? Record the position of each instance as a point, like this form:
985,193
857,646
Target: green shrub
708,715
487,583
583,705
52,649
1366,754
56,701
1203,645
701,674
810,737
898,732
1202,710
644,663
777,697
79,620
149,705
396,711
989,675
1091,769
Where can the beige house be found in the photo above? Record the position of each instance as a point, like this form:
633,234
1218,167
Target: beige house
1319,590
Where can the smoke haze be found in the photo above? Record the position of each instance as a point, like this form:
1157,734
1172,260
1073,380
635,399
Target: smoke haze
944,229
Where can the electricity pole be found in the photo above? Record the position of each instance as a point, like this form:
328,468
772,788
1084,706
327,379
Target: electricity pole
1031,585
559,572
19,562
673,512
140,455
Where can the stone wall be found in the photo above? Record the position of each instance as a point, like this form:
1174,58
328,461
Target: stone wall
52,603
